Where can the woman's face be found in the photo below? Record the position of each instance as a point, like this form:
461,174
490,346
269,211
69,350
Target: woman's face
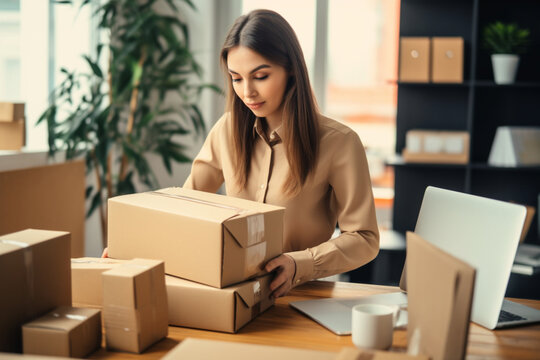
259,83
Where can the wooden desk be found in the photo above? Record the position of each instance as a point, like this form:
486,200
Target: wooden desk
283,326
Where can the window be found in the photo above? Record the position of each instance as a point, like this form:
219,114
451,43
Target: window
359,78
37,38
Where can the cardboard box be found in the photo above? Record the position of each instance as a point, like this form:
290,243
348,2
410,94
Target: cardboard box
135,305
86,281
45,197
35,279
448,147
198,349
12,135
447,59
208,238
414,59
11,111
204,307
65,331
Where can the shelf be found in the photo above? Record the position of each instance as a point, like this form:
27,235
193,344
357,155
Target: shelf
435,85
398,161
487,167
492,84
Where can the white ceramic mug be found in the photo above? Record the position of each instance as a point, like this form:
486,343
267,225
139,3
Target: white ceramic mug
373,325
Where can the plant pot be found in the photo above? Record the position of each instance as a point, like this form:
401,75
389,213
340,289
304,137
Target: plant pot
504,68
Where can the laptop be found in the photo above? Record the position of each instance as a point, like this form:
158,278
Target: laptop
480,231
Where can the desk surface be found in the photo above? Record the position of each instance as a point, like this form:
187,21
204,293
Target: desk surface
283,326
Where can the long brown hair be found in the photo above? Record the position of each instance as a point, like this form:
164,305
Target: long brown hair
269,34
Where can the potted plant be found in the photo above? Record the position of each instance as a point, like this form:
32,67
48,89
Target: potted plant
505,42
141,100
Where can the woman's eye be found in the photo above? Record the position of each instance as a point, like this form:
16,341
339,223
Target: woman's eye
235,80
261,77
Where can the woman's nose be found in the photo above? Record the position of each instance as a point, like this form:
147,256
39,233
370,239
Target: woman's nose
249,90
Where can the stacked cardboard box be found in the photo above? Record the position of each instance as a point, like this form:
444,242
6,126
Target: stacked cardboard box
208,238
12,128
135,305
215,246
65,331
39,280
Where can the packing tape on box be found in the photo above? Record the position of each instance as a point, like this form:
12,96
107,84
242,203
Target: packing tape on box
254,258
255,227
29,267
94,261
199,201
57,315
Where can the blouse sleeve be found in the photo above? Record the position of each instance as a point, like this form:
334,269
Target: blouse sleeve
206,171
358,243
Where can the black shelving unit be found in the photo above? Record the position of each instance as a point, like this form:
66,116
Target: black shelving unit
477,106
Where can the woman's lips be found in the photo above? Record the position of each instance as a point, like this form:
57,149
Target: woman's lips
255,106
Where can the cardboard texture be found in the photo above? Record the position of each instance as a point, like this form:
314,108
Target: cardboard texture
46,197
204,307
208,238
440,291
414,59
135,305
202,349
11,111
349,353
447,59
38,280
86,281
12,135
65,331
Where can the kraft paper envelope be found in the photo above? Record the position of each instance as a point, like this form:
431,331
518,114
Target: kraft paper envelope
440,291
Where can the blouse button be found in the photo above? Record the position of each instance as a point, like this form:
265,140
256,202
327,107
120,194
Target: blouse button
262,186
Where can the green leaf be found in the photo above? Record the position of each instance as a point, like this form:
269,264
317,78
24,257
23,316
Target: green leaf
94,66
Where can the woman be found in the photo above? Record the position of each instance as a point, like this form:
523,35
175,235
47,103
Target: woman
273,146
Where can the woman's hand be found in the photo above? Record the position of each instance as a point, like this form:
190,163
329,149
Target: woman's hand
285,268
105,253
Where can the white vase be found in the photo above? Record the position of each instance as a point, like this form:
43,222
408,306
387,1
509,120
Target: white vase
504,68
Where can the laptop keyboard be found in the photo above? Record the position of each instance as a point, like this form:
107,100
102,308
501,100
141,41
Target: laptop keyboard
506,316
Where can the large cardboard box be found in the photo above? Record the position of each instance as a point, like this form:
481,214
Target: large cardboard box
204,307
11,111
45,197
447,59
414,59
12,135
86,281
65,331
199,349
135,305
208,238
34,278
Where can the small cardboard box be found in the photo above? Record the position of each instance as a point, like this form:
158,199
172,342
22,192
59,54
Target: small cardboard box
208,238
11,111
135,305
12,135
65,331
414,59
204,307
447,59
86,281
35,278
197,349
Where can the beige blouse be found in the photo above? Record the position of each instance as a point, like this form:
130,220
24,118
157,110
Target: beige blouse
338,191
